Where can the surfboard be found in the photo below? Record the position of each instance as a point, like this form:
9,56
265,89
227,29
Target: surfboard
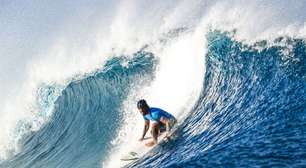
130,156
142,148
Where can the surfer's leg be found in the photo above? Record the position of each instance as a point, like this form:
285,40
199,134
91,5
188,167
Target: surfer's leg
155,131
162,128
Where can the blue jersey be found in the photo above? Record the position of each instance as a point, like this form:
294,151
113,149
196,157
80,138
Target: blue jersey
156,113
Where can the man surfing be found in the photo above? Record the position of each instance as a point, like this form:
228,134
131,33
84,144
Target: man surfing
161,121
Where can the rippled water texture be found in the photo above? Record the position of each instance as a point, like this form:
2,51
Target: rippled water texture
252,110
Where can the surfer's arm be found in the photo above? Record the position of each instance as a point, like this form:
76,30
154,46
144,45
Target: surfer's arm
145,129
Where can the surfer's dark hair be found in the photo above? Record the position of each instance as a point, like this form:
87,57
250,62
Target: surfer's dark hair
142,104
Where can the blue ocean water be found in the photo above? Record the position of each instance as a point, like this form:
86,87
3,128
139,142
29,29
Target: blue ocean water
251,111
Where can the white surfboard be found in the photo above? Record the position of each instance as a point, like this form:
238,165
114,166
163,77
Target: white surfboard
142,148
130,156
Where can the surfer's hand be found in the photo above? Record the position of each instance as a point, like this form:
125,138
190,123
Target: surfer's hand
141,139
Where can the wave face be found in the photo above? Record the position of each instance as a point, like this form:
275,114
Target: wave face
234,74
86,117
252,109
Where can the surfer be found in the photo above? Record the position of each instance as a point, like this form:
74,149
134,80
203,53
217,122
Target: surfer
161,121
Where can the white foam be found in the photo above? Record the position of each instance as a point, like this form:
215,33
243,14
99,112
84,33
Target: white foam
259,20
175,88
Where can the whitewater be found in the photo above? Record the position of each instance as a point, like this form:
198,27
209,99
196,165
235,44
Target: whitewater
232,72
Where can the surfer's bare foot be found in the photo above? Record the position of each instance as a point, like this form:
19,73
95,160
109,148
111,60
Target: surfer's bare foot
149,144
